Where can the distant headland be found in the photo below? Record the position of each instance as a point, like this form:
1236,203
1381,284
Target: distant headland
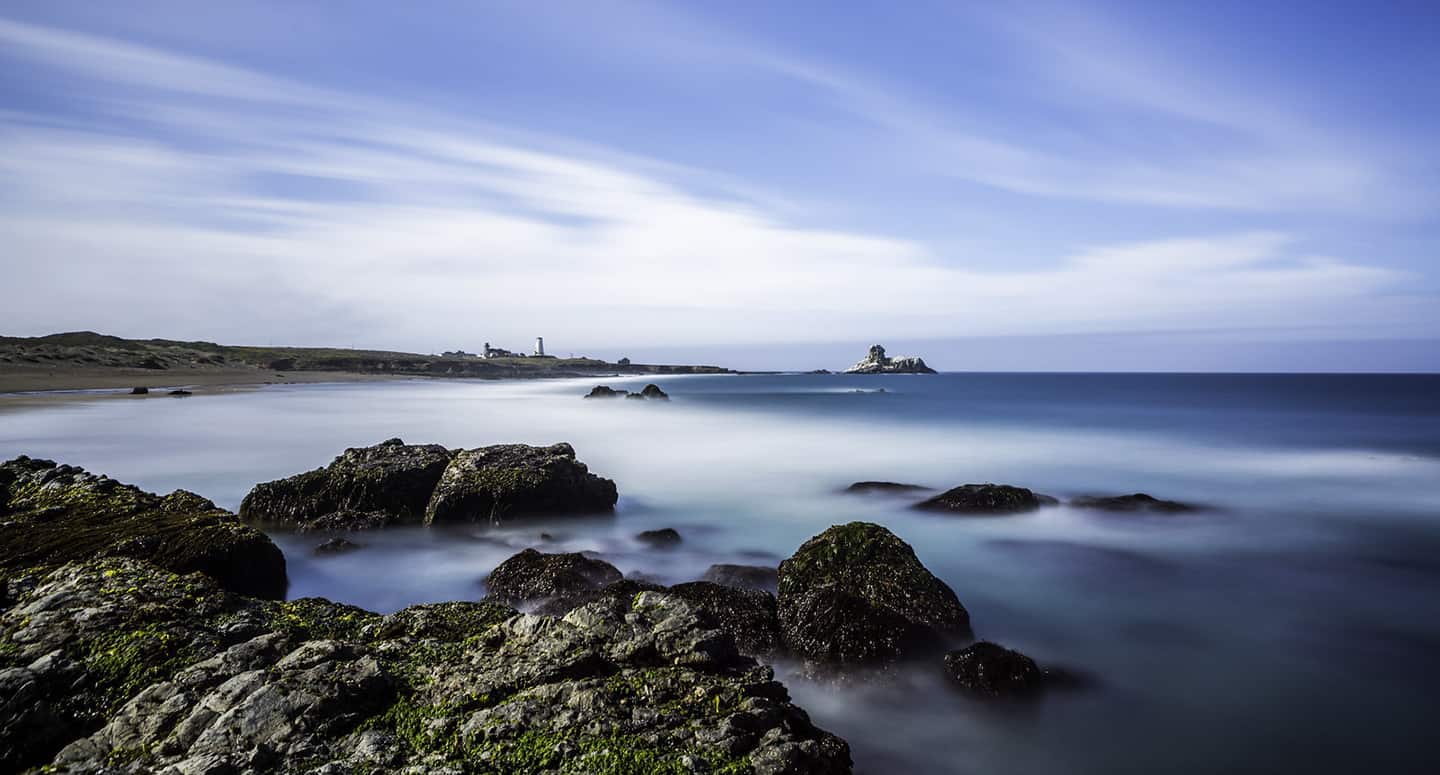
85,360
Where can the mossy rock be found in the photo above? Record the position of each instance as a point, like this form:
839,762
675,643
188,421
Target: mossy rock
532,576
388,483
120,666
856,593
53,514
498,483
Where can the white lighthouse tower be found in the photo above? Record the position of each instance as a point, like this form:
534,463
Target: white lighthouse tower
539,347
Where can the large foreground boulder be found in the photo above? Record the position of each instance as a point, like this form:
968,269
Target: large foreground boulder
397,483
493,484
389,483
117,666
857,595
985,499
53,514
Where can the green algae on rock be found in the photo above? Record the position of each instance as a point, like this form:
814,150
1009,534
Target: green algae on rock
126,668
52,514
856,594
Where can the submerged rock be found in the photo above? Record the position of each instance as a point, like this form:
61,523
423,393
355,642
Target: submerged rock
876,362
139,391
335,546
1137,502
743,576
391,482
664,538
991,670
885,487
180,393
122,667
53,514
985,499
493,484
535,576
857,595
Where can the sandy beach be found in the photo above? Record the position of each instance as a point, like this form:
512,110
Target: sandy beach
48,382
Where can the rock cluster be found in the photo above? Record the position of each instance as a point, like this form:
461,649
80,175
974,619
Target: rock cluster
398,483
650,392
876,362
118,666
51,514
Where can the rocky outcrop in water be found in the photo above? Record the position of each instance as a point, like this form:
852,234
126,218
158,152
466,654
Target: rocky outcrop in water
117,666
398,483
650,392
888,488
532,576
664,538
877,362
856,595
495,484
389,483
989,670
52,514
985,499
1137,502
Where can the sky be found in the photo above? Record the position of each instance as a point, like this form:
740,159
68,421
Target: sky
1019,186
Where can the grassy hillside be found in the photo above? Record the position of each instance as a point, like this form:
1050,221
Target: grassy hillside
89,350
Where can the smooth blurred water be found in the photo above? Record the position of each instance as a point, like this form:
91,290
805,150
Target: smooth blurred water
1294,627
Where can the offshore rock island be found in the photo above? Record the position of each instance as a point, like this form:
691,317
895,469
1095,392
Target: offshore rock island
877,362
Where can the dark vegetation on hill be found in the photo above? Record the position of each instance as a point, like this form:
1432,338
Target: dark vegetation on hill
86,349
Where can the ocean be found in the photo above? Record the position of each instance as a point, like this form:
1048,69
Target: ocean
1292,625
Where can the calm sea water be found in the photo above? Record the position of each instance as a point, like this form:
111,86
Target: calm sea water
1294,627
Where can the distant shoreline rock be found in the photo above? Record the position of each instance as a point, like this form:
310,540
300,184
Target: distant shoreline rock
877,362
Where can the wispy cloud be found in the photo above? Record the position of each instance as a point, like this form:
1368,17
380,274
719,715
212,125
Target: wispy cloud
310,215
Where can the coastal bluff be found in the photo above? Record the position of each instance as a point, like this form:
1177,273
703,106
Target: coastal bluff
877,362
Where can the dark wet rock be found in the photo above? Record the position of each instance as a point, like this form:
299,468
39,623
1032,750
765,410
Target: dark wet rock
336,546
495,484
122,667
653,392
990,670
180,393
985,499
54,514
624,589
634,397
664,538
1136,502
391,482
743,576
605,391
747,615
532,576
139,391
856,594
896,488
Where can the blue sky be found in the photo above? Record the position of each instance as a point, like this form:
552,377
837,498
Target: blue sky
1038,185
